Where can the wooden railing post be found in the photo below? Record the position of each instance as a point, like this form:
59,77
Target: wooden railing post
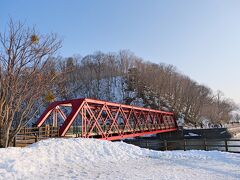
39,131
24,132
184,144
36,138
14,141
50,131
226,145
147,144
205,144
165,145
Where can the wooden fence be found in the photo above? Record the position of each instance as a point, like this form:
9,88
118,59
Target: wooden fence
228,145
28,136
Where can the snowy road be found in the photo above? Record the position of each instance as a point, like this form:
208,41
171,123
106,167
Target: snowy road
96,159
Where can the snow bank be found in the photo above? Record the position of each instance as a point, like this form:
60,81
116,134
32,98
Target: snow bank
97,159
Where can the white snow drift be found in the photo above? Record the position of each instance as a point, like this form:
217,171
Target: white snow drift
97,159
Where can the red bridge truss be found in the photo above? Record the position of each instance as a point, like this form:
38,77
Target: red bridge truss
105,120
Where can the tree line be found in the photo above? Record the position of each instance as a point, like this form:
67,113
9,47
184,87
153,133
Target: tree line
126,78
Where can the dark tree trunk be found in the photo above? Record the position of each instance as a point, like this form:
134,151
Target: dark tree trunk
3,138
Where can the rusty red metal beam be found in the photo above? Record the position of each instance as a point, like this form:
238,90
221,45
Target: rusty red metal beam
138,134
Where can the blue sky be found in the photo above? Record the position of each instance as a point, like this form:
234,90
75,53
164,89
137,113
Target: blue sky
201,38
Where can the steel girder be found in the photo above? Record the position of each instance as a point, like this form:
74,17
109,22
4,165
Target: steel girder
107,120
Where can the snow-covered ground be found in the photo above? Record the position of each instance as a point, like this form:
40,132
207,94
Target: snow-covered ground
97,159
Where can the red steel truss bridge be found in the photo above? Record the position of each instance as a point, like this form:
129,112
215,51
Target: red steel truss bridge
90,118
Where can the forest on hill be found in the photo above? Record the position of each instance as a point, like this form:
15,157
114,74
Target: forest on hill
126,78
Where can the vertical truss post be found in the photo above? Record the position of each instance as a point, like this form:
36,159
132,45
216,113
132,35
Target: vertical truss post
54,118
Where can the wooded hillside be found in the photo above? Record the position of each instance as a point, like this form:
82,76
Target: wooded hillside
124,77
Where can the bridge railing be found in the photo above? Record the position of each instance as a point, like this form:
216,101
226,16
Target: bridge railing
29,135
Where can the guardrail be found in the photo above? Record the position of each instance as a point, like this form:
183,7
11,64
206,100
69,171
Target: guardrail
227,145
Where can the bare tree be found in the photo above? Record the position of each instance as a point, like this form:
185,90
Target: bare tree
24,76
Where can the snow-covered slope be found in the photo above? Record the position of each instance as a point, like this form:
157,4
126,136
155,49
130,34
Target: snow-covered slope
97,159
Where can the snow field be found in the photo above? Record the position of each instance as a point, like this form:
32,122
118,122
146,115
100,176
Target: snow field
97,159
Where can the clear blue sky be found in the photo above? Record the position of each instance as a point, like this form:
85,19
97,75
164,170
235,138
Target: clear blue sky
200,37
